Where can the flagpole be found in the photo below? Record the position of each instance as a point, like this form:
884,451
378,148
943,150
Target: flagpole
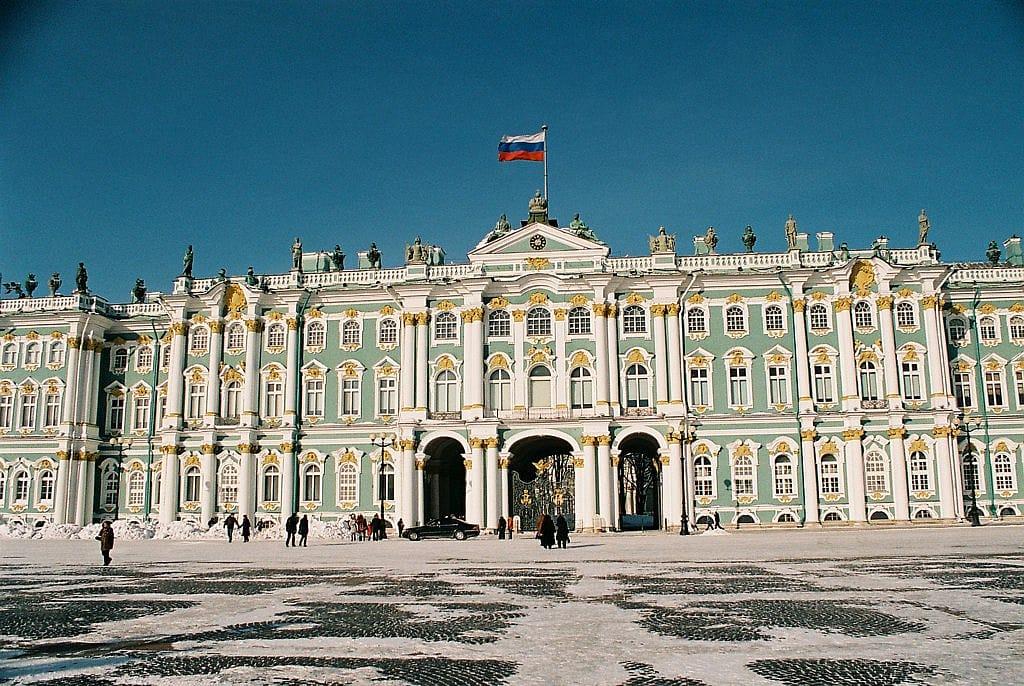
544,128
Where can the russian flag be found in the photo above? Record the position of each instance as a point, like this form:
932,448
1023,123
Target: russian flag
522,148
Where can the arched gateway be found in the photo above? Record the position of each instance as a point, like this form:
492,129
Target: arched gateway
541,480
640,484
444,479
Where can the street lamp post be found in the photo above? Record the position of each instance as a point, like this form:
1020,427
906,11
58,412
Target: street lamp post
122,443
382,441
687,438
971,460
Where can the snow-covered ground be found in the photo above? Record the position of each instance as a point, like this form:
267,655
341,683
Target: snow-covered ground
931,605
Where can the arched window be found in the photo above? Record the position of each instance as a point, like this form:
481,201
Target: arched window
905,315
832,517
540,386
743,476
703,477
579,321
863,315
876,477
316,334
33,354
9,357
957,330
1002,467
144,357
193,480
46,483
236,337
200,341
311,482
499,324
21,487
56,354
735,319
446,392
120,362
136,489
581,388
351,333
275,335
830,482
920,479
1017,328
111,485
634,319
538,322
785,484
972,475
348,481
387,332
229,484
818,316
637,386
696,321
446,327
773,320
499,390
271,491
987,329
232,394
869,381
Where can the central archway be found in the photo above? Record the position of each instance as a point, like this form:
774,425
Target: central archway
444,479
541,480
639,476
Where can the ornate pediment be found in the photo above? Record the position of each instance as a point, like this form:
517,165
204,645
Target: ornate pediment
537,240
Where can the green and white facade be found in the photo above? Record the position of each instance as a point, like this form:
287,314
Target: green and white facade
809,386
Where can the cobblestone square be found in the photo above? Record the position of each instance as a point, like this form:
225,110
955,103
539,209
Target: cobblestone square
875,607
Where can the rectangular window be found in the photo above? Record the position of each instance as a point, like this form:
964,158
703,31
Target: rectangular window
314,398
7,411
387,397
51,413
699,387
778,385
738,387
274,399
994,388
919,480
962,389
141,413
703,480
350,397
196,400
912,381
1019,382
28,412
823,383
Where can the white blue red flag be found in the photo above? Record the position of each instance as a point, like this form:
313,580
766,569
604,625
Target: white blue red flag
522,148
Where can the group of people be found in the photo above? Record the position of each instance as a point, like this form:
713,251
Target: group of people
359,528
554,531
292,526
244,527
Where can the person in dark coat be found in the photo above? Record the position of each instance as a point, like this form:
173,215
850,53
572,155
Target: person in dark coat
106,539
230,523
401,527
246,528
501,528
375,528
303,530
718,521
291,525
546,530
562,531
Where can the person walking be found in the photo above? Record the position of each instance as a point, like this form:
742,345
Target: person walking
361,527
501,528
375,528
718,521
546,532
303,530
291,525
401,527
246,528
562,531
230,523
106,539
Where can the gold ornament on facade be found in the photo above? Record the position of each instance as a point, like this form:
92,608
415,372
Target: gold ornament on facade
468,464
905,292
538,263
895,432
672,309
577,462
503,463
309,457
799,305
586,440
635,299
657,310
819,296
386,370
918,444
737,359
445,306
497,303
579,300
293,324
475,442
808,434
408,319
579,359
519,315
695,299
664,459
842,304
560,314
853,434
538,298
192,461
198,318
611,311
733,299
635,356
254,325
987,308
929,301
600,309
445,363
422,318
499,362
774,296
491,442
75,343
217,326
178,328
207,449
33,336
743,450
604,440
937,432
270,458
286,447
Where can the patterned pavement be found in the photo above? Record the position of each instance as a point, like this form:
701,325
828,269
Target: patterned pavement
613,609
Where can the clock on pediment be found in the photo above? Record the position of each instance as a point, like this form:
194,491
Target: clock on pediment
537,241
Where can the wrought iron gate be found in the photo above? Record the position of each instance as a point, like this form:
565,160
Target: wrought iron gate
639,491
551,491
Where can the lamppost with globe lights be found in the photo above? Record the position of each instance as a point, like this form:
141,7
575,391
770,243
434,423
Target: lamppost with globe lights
122,443
382,441
971,461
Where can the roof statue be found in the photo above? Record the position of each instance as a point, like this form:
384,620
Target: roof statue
297,254
791,233
373,256
186,263
663,242
749,238
993,253
923,226
250,277
501,227
417,253
82,276
30,284
538,208
139,291
54,284
711,240
338,258
579,228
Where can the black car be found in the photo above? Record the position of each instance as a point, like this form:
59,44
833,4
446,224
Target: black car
446,527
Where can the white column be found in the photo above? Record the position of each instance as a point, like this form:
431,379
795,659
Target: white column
690,491
675,355
251,385
420,510
71,391
291,382
660,357
890,365
560,381
602,368
809,465
613,508
473,369
422,352
289,498
246,480
494,483
213,381
939,390
408,379
408,512
849,397
854,452
474,482
503,495
612,360
176,375
60,504
169,499
672,483
605,482
86,465
520,396
586,495
900,487
803,381
208,486
944,472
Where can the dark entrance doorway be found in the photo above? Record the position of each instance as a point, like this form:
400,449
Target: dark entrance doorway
542,480
639,477
444,480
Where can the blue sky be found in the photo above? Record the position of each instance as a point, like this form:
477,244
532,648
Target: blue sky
129,130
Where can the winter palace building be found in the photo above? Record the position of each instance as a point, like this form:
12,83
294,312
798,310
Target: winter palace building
820,385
